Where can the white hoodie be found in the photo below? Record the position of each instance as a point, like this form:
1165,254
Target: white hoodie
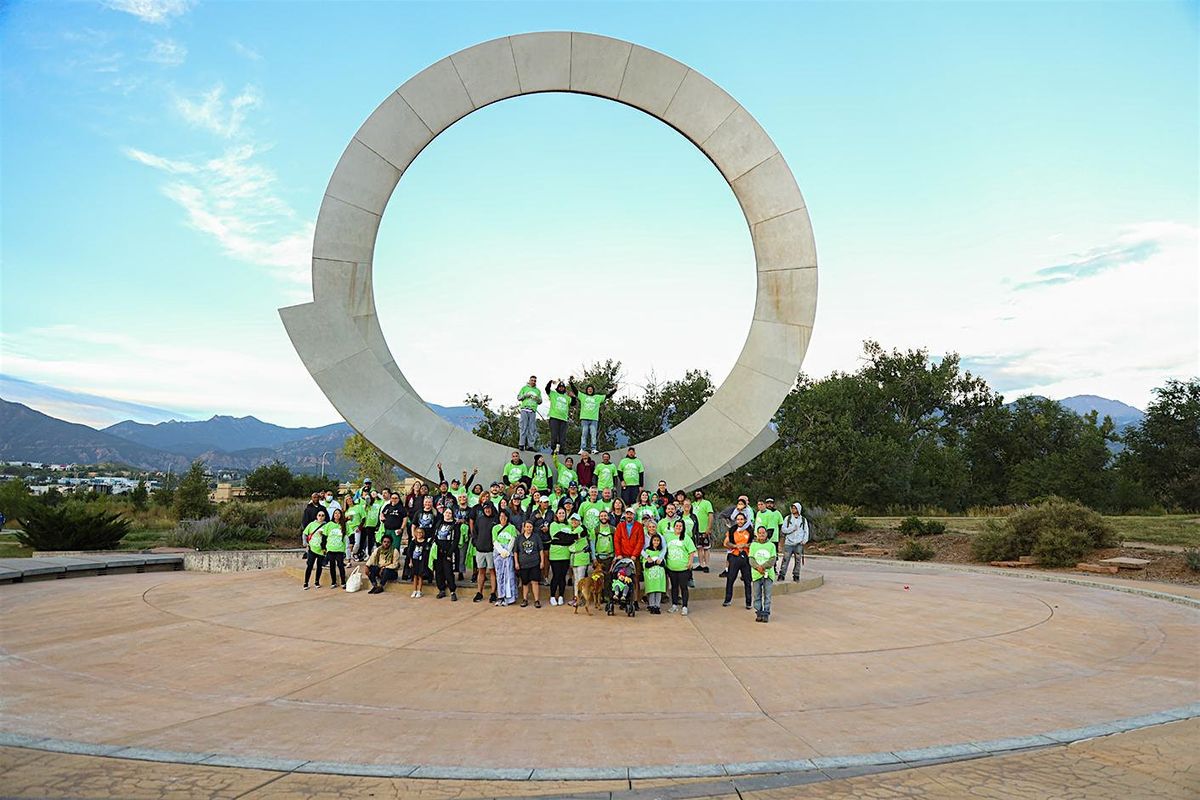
795,527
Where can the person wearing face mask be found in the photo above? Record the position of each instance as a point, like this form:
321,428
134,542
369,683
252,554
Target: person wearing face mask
330,503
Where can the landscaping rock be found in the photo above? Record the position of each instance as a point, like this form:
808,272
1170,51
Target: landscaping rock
1125,562
1097,569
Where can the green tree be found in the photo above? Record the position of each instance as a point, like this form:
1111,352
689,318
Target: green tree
139,496
1163,452
191,498
306,484
371,461
271,482
15,499
72,526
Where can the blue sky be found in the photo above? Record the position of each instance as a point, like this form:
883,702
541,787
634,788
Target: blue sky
1016,182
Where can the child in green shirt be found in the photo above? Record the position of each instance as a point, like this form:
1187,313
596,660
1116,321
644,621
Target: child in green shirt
762,571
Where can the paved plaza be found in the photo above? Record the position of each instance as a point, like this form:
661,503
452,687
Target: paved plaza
882,667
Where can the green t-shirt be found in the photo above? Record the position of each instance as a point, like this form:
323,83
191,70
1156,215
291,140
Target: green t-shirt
666,528
560,405
679,553
605,475
589,406
654,579
631,470
639,510
559,552
581,554
354,516
373,514
540,475
514,472
763,554
504,537
703,511
313,532
772,521
602,540
566,475
591,513
529,397
335,540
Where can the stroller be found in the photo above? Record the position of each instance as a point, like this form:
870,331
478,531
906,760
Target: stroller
622,577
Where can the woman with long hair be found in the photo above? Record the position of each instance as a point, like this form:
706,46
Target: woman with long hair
314,539
335,547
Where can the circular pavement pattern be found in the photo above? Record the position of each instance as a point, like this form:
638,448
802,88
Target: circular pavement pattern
339,334
881,659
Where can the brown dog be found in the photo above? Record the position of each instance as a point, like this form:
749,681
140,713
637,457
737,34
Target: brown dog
590,589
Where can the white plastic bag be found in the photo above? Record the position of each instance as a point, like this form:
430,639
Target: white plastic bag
355,581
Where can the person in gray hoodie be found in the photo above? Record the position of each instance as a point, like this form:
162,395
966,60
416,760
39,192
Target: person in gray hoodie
795,536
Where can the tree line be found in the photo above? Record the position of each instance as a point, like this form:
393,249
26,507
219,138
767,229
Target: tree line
909,431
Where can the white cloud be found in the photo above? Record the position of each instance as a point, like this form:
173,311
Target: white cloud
167,52
1118,329
212,113
245,50
232,198
157,12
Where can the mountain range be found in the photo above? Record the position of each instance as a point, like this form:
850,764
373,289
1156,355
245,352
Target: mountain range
239,443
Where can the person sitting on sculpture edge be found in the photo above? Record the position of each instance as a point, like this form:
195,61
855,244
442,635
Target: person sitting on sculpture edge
383,565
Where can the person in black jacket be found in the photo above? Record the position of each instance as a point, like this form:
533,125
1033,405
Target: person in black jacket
391,516
444,537
311,510
482,525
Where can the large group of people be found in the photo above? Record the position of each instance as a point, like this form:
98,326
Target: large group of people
549,524
541,527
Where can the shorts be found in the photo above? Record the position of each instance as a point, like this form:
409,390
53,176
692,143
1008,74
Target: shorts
703,540
529,575
483,560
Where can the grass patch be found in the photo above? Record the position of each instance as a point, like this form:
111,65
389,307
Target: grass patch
11,548
1176,529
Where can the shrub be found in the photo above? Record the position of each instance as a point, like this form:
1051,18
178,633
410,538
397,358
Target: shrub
994,543
211,533
1191,557
239,514
915,526
820,524
191,498
71,526
912,550
1061,548
848,523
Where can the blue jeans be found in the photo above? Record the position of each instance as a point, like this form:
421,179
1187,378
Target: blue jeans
528,429
589,428
762,596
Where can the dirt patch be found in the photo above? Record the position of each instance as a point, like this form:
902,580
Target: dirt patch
955,548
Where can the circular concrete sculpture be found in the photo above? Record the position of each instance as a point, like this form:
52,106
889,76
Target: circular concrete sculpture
338,334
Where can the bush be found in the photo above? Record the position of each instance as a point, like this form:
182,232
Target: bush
912,550
191,498
71,526
915,526
820,524
848,523
211,533
239,514
1056,531
1061,548
1191,557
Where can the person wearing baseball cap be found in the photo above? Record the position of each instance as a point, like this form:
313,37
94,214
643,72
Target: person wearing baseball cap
582,554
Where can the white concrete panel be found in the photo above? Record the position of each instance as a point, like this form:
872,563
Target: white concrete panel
410,432
665,460
312,334
344,232
784,242
775,349
756,447
345,282
750,399
437,95
709,439
362,178
787,295
395,132
543,61
598,64
651,80
368,327
488,71
698,107
358,388
738,145
768,190
465,450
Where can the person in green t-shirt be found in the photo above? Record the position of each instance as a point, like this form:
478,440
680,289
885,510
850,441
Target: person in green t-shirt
562,397
335,547
590,510
606,473
565,472
314,539
769,518
589,414
654,574
582,555
602,541
762,570
703,509
515,471
541,477
679,565
631,473
561,538
529,397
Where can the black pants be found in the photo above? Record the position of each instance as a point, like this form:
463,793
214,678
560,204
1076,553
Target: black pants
366,541
629,495
313,558
558,577
738,565
380,577
679,585
337,564
558,433
443,571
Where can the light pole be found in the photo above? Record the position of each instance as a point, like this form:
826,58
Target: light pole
323,462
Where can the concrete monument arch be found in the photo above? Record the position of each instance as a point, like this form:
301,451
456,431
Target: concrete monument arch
338,334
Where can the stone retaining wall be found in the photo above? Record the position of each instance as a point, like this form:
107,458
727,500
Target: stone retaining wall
240,560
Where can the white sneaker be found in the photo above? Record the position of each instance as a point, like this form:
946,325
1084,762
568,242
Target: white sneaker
673,609
685,611
414,593
418,594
